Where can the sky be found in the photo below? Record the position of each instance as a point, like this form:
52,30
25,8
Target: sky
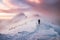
5,15
8,10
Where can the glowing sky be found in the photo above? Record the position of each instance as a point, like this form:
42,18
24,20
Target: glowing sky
5,15
7,9
34,1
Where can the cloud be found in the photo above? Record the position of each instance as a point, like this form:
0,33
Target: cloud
15,3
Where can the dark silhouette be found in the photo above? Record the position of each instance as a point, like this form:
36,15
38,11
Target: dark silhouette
38,21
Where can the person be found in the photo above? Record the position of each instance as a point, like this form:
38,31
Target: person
38,21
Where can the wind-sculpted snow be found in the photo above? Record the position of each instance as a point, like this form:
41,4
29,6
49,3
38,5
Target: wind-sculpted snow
38,34
31,30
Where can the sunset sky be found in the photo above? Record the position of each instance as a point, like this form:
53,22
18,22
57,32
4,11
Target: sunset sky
5,15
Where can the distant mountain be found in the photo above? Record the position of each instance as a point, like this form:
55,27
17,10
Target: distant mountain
19,17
